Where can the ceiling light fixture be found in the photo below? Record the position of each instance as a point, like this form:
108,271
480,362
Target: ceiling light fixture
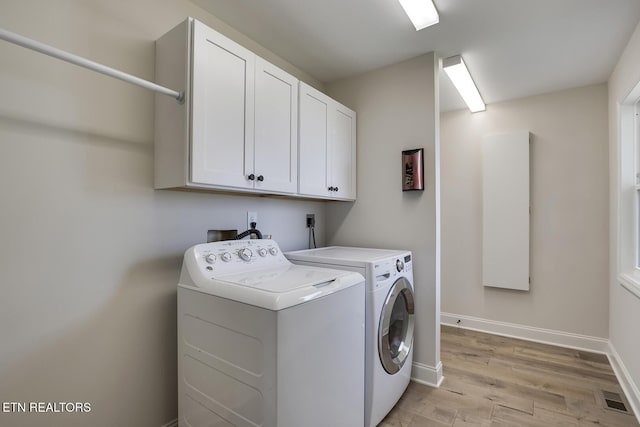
459,75
422,13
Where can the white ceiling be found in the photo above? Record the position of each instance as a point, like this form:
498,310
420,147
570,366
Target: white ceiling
513,48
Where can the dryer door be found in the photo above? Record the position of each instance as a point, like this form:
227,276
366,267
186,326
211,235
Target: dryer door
395,331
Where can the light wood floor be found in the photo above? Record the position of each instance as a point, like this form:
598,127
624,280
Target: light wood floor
496,381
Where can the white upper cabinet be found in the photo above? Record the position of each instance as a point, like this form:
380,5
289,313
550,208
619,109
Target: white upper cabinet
314,141
245,124
327,138
237,129
276,129
342,153
222,125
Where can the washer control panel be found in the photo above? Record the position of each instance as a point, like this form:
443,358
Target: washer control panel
235,256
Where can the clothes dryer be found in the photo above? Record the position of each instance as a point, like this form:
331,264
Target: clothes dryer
264,342
389,318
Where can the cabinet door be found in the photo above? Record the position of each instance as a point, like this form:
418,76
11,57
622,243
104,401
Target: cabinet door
314,133
276,129
342,153
222,110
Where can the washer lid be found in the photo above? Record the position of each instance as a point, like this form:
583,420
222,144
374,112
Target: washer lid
274,285
285,279
344,255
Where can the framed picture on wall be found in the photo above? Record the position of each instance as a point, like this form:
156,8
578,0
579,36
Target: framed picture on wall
412,170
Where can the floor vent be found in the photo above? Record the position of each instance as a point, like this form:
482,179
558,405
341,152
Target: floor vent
613,401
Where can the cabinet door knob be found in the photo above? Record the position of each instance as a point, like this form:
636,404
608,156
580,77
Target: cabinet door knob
260,178
335,189
251,177
330,188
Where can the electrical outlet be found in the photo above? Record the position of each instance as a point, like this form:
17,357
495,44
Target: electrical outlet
251,217
311,220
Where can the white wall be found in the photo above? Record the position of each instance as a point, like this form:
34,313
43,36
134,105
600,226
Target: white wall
89,253
569,220
397,110
624,307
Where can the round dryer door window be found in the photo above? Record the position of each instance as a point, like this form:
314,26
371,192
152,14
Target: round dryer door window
395,332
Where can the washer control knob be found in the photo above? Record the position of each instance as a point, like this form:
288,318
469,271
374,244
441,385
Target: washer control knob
399,265
262,252
211,259
245,254
273,251
226,257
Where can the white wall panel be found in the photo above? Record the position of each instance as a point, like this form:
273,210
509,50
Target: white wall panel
505,210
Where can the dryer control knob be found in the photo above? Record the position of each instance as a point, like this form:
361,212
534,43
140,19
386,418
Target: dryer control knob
245,254
399,265
211,259
273,251
262,252
226,257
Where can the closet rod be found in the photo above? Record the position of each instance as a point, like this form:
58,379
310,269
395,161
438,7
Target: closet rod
83,62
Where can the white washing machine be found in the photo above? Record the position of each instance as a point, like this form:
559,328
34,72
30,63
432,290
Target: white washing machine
264,342
389,319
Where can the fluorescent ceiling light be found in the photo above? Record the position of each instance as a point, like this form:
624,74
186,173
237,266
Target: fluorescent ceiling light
461,79
422,13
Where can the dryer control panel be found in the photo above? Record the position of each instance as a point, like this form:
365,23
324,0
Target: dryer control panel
391,269
404,263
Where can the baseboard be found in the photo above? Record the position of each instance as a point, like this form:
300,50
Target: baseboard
427,375
545,336
626,381
173,423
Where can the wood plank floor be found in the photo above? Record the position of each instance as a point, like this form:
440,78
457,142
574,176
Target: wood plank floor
497,381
